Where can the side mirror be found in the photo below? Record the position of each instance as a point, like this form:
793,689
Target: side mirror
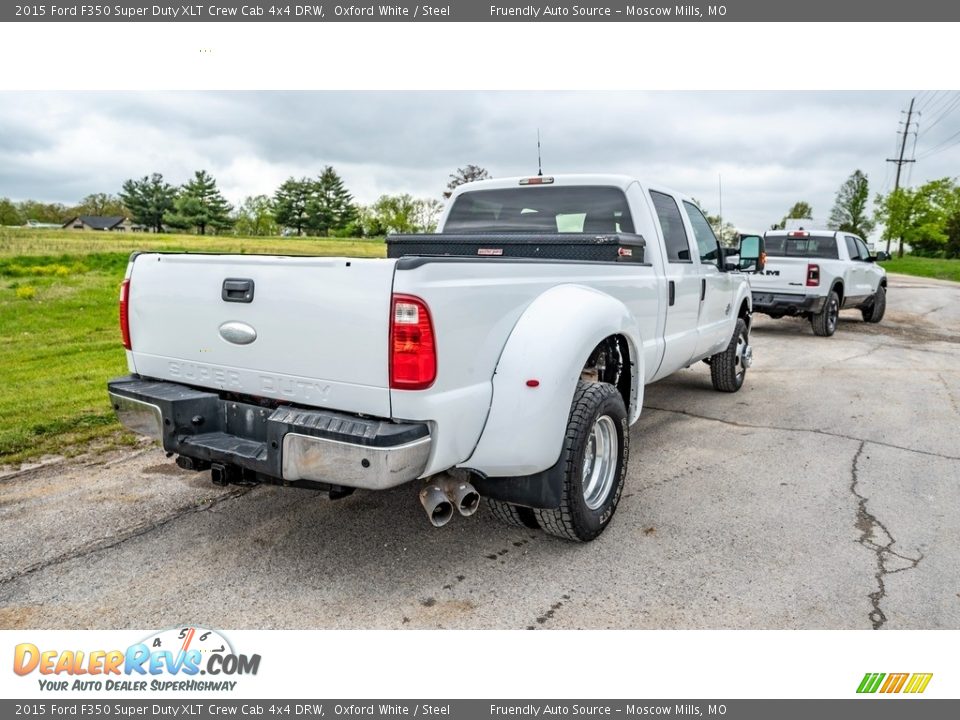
753,256
881,256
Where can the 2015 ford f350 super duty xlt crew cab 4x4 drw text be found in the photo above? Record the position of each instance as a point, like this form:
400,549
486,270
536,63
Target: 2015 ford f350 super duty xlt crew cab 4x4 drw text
503,357
815,274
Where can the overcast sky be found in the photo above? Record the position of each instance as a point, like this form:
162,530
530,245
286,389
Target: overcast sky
771,149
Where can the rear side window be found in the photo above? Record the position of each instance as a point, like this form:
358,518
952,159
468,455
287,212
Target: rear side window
671,223
541,209
813,246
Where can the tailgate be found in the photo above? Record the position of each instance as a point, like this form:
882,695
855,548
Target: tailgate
312,331
787,275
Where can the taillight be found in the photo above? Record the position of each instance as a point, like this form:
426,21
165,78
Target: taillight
125,313
413,347
813,275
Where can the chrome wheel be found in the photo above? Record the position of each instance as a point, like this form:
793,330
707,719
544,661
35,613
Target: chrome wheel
833,312
743,357
600,462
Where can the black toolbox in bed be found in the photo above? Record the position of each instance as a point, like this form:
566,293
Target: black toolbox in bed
582,247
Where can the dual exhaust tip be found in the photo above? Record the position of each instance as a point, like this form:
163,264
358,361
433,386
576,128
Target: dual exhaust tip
442,496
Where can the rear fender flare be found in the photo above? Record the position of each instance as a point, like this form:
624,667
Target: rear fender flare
549,345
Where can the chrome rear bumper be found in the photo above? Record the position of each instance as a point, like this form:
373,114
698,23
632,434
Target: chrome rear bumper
283,443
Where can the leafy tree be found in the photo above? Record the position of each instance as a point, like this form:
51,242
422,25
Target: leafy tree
330,206
255,217
9,213
850,212
199,204
463,175
952,246
100,204
290,204
148,199
400,214
800,209
920,217
428,214
42,212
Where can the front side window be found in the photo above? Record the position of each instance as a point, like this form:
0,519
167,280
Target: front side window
707,242
862,249
671,223
852,248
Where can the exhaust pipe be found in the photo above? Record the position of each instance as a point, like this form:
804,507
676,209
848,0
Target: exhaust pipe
461,494
436,503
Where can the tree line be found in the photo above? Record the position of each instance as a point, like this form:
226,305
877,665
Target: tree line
321,206
927,218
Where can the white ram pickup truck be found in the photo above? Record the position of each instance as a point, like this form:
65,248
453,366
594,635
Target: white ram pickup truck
504,357
817,273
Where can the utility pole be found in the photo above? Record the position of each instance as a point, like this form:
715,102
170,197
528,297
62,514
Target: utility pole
900,163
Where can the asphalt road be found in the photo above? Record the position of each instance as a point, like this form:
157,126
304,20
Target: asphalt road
826,494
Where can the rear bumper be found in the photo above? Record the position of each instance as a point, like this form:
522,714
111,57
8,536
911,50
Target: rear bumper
777,303
286,443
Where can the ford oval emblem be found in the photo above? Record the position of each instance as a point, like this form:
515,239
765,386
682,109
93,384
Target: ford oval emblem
238,333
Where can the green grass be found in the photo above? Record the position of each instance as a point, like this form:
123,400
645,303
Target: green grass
59,334
939,268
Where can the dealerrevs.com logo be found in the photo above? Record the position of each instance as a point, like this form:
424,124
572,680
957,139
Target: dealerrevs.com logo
172,659
910,683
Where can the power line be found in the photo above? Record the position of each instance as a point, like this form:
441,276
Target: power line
940,148
900,162
926,102
953,105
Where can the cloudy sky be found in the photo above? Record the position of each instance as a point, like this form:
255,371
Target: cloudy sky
771,149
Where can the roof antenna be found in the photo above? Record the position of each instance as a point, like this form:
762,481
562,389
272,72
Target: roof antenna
539,161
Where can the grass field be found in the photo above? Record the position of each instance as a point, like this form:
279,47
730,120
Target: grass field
925,267
59,334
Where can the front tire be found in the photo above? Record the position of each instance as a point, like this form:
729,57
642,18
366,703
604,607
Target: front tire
593,462
729,368
825,322
874,312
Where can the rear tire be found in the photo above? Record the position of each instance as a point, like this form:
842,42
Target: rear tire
729,368
593,462
874,312
511,514
825,322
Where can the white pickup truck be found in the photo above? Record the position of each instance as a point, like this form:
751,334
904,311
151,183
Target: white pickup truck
817,273
504,357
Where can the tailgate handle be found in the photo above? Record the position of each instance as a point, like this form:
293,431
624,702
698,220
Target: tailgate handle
237,290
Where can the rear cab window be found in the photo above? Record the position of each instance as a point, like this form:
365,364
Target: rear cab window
671,224
541,209
807,246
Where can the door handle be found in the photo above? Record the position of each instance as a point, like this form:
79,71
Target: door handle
703,289
237,290
672,291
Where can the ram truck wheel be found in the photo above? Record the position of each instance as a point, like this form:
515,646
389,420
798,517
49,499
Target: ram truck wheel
729,368
825,322
512,514
593,461
873,313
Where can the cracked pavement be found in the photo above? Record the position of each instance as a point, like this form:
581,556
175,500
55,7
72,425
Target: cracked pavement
825,494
